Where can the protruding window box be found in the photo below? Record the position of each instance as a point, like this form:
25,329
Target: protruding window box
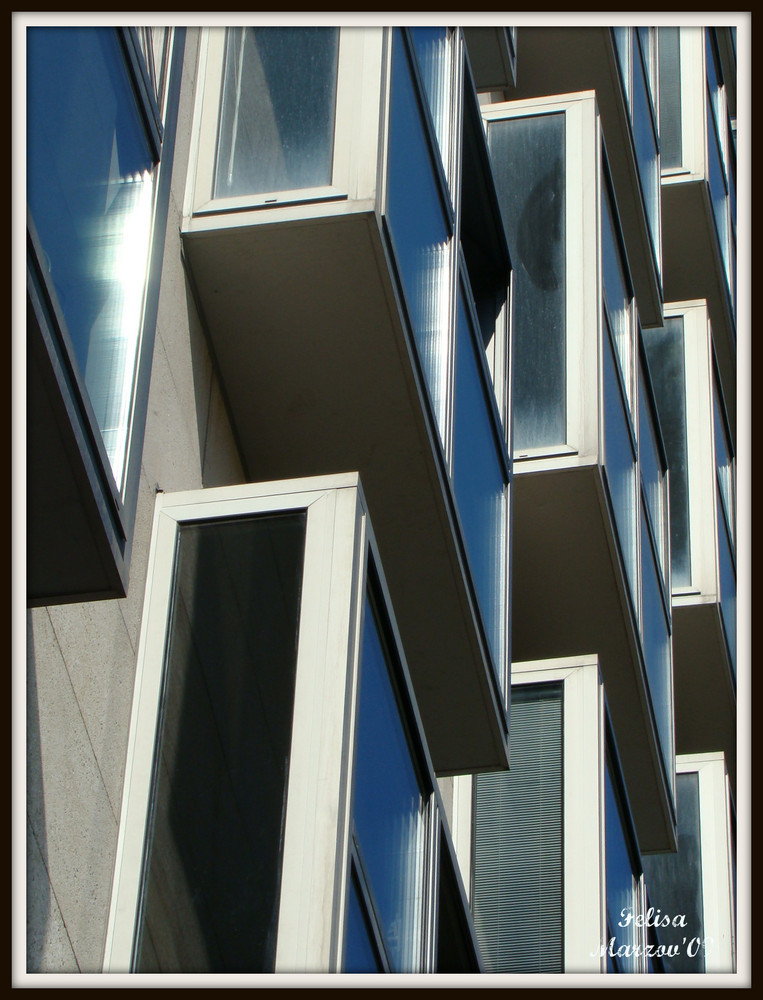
280,811
590,514
699,881
698,188
621,71
702,520
96,209
553,856
337,255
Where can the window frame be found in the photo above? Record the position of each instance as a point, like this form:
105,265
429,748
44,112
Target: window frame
588,740
716,819
115,502
495,381
582,138
351,101
340,562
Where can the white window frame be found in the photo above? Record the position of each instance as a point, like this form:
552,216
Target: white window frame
355,132
317,845
718,916
700,451
582,326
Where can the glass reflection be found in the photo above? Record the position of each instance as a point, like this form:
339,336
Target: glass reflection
665,352
90,193
653,475
621,878
620,465
617,292
420,230
277,110
479,483
655,631
388,806
433,53
528,157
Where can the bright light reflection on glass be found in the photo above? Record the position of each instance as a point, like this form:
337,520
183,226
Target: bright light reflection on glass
90,191
389,806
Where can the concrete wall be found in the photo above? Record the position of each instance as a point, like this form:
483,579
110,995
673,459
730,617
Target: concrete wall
81,658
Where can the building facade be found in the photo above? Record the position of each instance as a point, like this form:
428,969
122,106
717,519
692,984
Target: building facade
381,499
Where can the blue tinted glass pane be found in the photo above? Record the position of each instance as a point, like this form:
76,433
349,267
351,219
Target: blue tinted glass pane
388,806
617,292
620,876
528,157
360,954
433,53
665,351
90,192
653,475
479,483
620,465
646,152
728,590
718,194
277,110
657,650
420,231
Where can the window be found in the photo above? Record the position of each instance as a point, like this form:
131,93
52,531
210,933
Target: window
698,882
636,57
280,812
271,138
555,860
528,155
91,180
390,810
439,245
665,351
518,880
101,108
211,884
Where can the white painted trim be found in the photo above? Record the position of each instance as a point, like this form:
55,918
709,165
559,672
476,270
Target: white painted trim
584,762
715,852
355,146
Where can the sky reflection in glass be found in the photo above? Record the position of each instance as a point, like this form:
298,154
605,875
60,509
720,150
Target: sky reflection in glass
388,806
90,192
420,232
479,483
621,896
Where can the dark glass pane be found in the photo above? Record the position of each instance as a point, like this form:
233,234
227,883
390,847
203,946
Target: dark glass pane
528,156
479,483
420,230
665,352
724,465
388,806
620,466
277,110
360,953
518,855
671,151
211,890
621,878
674,881
657,649
653,474
455,950
90,193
